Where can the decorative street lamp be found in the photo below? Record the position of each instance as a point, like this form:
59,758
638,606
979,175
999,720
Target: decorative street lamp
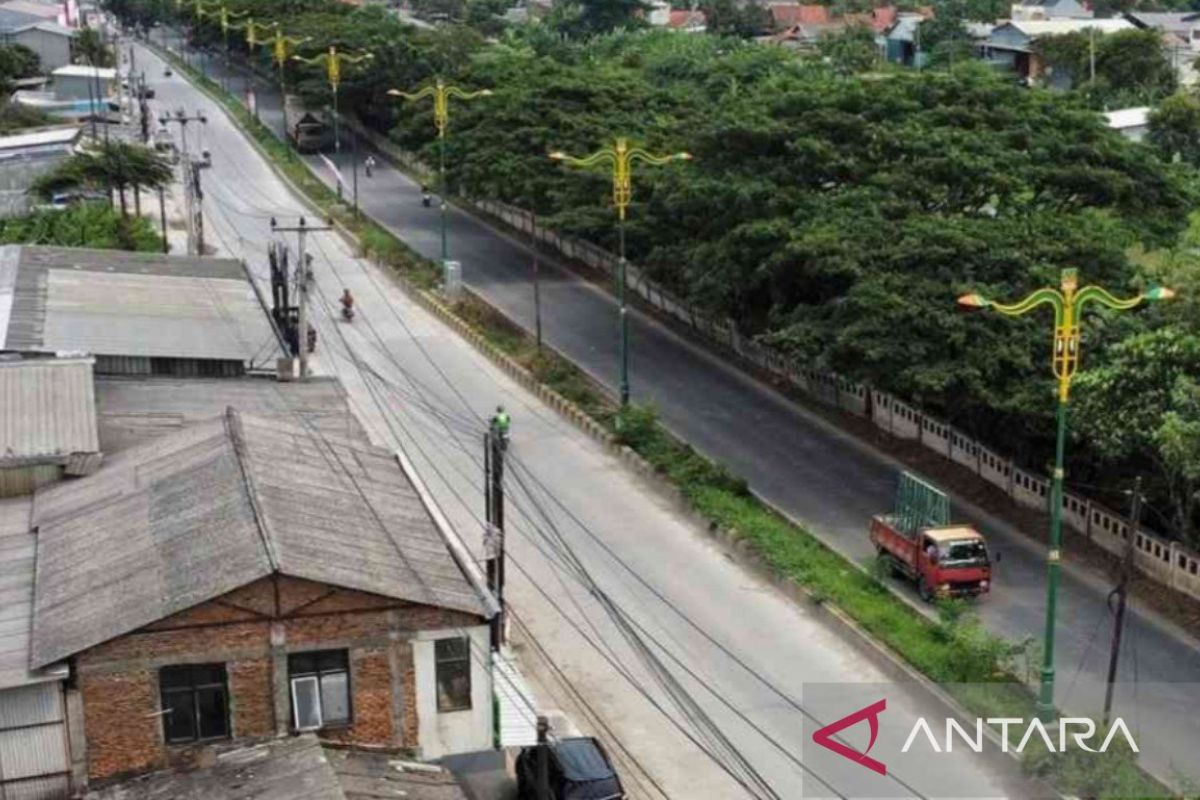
621,157
441,94
333,73
1068,303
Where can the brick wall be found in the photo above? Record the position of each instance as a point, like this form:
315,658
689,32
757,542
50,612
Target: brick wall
119,679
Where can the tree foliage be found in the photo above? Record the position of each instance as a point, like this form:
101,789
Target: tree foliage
1132,66
88,47
93,225
830,212
1175,128
110,166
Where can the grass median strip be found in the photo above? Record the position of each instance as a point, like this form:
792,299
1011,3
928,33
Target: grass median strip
954,649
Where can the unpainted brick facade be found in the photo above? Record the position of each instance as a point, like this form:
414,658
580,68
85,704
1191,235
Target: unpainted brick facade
251,630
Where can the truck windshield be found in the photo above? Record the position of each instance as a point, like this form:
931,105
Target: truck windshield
966,553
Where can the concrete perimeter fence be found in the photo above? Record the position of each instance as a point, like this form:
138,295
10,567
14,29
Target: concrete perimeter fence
1166,562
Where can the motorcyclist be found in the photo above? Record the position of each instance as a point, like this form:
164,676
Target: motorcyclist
347,304
426,199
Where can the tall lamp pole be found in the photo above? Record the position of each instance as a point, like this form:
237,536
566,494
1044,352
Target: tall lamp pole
1068,302
280,50
621,158
441,94
333,73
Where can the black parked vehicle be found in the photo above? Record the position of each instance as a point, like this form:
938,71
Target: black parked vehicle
579,769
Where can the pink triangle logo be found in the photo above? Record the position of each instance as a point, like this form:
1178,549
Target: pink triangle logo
824,736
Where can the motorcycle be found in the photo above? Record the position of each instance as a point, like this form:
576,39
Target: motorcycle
348,313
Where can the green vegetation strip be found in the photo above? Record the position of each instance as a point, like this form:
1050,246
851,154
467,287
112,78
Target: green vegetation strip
955,649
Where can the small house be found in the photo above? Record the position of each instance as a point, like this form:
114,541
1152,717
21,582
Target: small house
250,577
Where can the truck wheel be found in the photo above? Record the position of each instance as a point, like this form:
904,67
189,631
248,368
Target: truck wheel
924,590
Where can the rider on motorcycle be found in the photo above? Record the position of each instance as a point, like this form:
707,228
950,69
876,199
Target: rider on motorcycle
347,304
425,197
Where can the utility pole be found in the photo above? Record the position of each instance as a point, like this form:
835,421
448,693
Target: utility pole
162,215
191,180
543,759
1121,592
493,536
1092,54
537,283
302,229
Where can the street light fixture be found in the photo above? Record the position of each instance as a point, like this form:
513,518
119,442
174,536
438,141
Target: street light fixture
1068,303
441,94
333,61
621,157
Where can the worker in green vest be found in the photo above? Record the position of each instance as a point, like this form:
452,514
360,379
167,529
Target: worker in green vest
500,425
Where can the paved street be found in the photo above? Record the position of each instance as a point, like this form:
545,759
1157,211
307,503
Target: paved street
570,500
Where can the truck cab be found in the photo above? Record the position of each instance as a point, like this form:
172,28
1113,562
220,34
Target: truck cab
919,543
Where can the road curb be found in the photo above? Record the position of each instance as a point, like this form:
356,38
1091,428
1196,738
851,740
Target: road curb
739,549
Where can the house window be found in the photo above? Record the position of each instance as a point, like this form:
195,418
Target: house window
194,702
320,689
452,667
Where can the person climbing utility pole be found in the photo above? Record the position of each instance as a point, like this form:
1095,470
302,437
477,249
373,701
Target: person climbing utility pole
500,425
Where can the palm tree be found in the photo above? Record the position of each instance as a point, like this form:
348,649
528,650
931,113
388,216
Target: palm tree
109,165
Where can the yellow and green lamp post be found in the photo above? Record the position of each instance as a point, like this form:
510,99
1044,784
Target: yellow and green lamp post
441,94
281,46
333,61
223,15
1068,303
621,158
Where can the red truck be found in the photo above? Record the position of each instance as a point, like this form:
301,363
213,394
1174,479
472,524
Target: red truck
919,543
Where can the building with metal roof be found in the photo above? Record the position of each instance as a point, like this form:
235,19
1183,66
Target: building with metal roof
185,518
137,313
47,422
134,410
26,157
34,760
294,768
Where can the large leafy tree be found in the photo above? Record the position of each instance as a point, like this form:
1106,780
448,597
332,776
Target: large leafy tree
1141,405
1132,67
88,47
1175,127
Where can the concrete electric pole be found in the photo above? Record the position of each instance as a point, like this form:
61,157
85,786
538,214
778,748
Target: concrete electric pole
1121,593
303,273
191,180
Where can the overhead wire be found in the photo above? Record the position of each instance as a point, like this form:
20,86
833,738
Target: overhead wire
359,364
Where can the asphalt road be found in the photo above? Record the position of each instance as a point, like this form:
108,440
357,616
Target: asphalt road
816,474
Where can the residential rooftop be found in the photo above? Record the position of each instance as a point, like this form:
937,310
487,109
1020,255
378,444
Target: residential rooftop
40,138
292,768
137,312
17,546
187,517
132,410
48,413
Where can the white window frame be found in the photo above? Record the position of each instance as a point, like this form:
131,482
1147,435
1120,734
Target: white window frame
316,682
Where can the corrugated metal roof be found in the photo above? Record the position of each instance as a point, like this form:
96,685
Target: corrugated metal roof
293,768
134,410
116,303
41,138
188,517
83,71
17,545
47,410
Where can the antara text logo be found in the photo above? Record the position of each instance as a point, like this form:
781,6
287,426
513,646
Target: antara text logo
1082,732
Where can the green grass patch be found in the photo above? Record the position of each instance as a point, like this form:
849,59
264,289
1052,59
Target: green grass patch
953,650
